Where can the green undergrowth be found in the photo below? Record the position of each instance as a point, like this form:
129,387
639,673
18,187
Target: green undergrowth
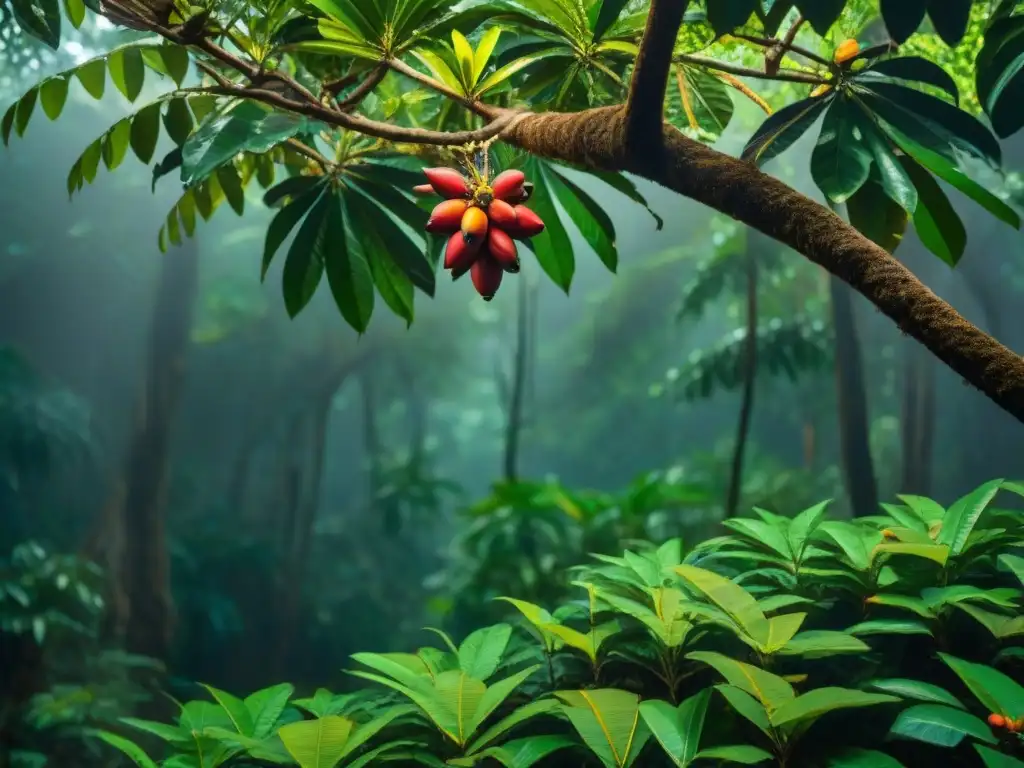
793,641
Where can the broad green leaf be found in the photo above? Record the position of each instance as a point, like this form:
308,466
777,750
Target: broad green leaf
863,758
1015,564
889,627
741,753
513,720
770,690
483,52
916,69
609,722
53,92
678,729
348,274
821,701
481,651
997,692
936,221
747,706
134,752
962,516
993,759
606,17
939,725
841,160
284,222
528,751
915,689
145,131
552,247
319,743
304,266
464,56
731,598
782,129
819,643
235,708
127,71
903,17
590,218
938,553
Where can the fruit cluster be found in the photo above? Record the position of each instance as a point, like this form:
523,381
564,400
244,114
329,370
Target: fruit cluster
483,217
1013,726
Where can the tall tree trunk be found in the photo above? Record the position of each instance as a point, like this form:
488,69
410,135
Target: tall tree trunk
854,428
133,541
749,380
918,422
514,423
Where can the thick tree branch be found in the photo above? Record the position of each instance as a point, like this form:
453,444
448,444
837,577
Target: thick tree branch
596,139
646,101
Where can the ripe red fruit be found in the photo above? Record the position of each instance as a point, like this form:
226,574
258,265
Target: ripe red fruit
460,255
474,224
423,189
502,247
486,274
507,183
996,721
528,223
447,216
501,214
447,182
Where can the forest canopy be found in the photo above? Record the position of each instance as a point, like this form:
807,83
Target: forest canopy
335,107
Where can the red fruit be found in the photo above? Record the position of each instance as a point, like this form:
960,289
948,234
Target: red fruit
520,195
423,189
507,183
501,214
996,721
447,182
486,274
502,247
474,224
528,223
447,216
460,255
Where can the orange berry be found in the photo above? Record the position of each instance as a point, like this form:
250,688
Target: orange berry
486,274
507,183
447,182
474,224
887,534
501,214
447,216
1015,726
996,721
502,248
846,51
528,223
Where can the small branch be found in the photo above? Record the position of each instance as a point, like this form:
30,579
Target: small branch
772,43
646,101
312,154
773,59
361,91
402,68
791,76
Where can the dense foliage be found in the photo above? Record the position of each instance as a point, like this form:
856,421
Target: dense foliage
906,617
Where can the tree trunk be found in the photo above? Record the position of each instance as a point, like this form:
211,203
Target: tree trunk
749,380
918,423
514,423
854,426
133,542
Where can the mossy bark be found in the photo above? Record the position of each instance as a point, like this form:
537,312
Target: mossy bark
596,139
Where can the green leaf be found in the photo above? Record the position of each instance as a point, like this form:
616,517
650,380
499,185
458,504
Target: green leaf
742,754
178,121
483,52
39,19
127,71
915,689
235,709
863,758
950,19
245,128
821,701
997,692
304,266
821,14
939,725
903,17
53,92
348,274
379,243
962,516
145,131
609,13
783,128
726,15
284,222
731,598
528,751
609,722
319,743
747,706
916,69
482,650
819,643
698,101
678,729
553,247
590,218
132,750
770,690
993,759
840,162
93,77
937,223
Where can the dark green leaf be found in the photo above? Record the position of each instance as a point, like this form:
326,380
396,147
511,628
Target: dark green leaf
146,131
284,222
935,219
348,274
876,216
610,10
293,186
917,69
53,92
621,184
940,725
863,758
821,14
171,162
590,219
39,19
893,177
246,128
305,263
999,82
782,129
178,121
392,284
993,759
552,247
903,17
841,161
726,15
231,186
950,19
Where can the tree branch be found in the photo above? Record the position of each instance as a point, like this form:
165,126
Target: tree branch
773,59
646,101
791,76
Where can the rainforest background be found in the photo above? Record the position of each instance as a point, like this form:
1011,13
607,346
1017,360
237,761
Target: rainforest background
298,492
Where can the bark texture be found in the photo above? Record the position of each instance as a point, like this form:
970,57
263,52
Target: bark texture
596,139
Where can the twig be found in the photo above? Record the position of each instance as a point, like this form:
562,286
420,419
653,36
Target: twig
791,76
646,100
772,42
361,91
773,59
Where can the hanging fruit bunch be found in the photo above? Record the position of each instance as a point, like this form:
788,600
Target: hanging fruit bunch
484,217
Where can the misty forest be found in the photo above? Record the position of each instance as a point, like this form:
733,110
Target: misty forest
511,383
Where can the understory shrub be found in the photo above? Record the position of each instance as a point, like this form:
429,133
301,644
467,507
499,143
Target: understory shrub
792,641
